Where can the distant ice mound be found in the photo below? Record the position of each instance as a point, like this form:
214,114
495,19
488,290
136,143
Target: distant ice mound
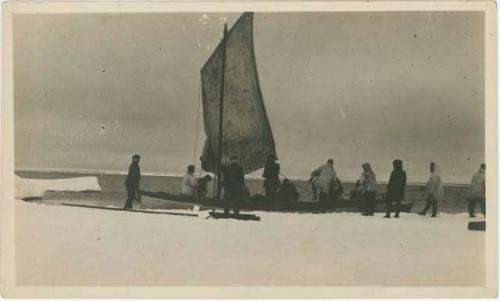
35,188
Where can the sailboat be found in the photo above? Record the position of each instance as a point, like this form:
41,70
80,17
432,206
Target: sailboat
235,118
234,114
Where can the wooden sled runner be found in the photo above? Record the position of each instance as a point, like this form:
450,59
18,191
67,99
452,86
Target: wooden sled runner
240,216
130,210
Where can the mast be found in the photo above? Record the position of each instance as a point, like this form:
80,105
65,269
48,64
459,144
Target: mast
221,114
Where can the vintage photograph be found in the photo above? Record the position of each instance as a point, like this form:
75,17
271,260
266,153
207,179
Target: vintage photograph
252,148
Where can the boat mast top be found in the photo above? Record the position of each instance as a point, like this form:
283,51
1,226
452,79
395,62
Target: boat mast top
221,114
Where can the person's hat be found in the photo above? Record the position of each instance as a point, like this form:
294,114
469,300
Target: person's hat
136,156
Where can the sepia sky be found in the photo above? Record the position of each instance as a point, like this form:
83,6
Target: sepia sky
90,90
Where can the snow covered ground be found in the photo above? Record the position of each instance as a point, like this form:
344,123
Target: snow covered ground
68,246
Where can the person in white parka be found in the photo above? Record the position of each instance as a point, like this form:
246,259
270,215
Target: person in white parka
433,190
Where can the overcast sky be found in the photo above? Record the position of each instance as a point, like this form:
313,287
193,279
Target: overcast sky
90,90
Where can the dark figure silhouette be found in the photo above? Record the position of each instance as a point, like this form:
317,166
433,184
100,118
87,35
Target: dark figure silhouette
202,187
287,192
272,180
395,189
233,183
132,182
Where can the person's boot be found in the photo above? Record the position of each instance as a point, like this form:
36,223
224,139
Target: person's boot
388,216
397,215
421,213
434,212
471,211
483,209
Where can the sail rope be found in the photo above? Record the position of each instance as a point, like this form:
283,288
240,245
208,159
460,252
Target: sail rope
197,126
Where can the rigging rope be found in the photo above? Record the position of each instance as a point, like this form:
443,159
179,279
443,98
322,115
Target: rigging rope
197,127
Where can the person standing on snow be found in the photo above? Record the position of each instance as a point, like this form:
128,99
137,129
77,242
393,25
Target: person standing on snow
476,193
368,189
234,184
433,190
132,182
395,189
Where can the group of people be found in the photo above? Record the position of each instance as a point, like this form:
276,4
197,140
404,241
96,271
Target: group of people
324,179
233,182
326,186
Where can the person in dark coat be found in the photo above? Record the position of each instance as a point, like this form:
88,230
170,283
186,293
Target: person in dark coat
287,192
233,183
272,178
395,189
132,182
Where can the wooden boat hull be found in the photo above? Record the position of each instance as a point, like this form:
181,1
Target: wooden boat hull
260,203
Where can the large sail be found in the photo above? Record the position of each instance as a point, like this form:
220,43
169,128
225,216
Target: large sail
245,131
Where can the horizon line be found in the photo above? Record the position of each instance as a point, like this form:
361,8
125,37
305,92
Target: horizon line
177,174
